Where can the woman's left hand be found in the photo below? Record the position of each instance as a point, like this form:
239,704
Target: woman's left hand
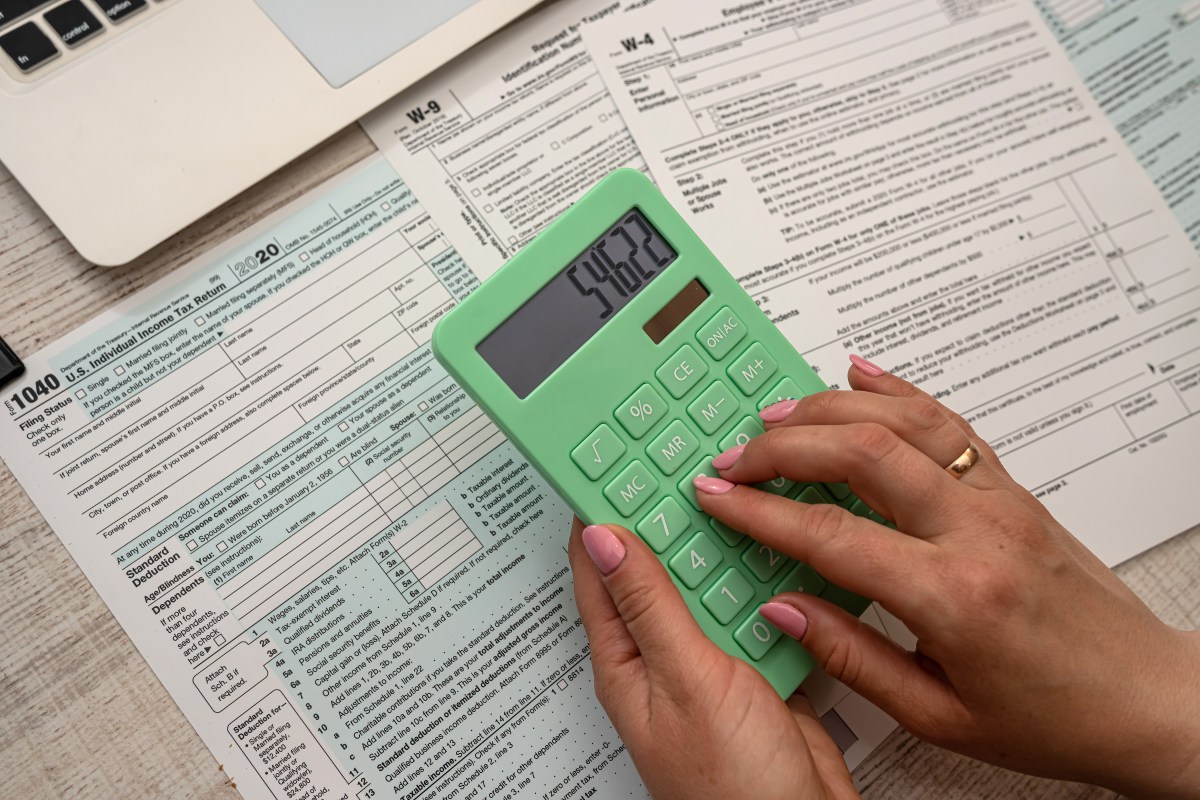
698,723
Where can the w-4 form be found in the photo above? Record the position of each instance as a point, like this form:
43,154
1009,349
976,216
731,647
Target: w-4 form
930,184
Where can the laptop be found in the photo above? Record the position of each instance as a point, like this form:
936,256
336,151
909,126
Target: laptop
126,120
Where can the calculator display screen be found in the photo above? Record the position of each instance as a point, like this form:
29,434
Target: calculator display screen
543,333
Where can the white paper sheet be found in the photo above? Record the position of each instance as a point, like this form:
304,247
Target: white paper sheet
932,186
500,143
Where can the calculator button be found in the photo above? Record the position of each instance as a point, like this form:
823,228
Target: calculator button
727,534
801,578
631,489
840,491
812,496
764,561
688,489
721,333
780,486
746,430
860,509
786,389
696,561
713,408
756,636
752,369
673,448
598,452
729,595
641,411
663,526
682,371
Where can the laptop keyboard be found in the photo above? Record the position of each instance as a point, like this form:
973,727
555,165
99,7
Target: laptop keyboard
34,33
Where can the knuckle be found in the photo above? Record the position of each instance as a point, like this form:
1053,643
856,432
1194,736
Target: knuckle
843,660
924,417
634,602
823,520
872,442
819,405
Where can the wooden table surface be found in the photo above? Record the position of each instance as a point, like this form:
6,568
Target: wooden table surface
82,715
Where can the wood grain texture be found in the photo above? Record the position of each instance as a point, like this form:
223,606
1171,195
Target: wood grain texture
81,714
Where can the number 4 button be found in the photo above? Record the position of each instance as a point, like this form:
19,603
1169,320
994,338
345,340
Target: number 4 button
696,561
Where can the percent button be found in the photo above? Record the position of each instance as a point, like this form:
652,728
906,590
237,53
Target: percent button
641,411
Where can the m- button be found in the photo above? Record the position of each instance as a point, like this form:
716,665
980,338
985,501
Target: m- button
682,371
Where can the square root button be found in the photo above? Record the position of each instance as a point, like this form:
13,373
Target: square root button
598,452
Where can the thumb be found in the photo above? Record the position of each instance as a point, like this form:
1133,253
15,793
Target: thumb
650,606
868,662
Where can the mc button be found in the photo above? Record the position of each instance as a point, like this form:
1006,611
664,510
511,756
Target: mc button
682,371
633,487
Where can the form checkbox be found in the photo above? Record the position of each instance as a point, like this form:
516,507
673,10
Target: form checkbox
386,206
119,370
487,209
343,461
343,427
423,406
604,117
199,322
81,394
512,240
220,640
562,685
555,145
304,256
475,193
260,483
222,546
192,545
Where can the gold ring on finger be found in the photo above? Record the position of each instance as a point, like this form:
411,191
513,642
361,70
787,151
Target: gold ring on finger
961,465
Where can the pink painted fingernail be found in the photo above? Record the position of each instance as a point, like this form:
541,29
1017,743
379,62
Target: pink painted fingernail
778,412
787,618
729,457
866,367
711,485
604,548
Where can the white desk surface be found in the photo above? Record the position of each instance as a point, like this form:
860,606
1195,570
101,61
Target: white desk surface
82,716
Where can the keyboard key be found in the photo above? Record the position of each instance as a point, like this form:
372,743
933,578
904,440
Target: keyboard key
117,10
28,46
786,389
721,333
73,22
763,561
752,369
800,578
641,411
696,561
598,452
780,486
663,526
673,448
727,534
10,10
687,489
713,408
682,371
630,490
756,636
728,596
746,430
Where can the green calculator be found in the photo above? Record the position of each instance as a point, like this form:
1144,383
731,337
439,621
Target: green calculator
620,356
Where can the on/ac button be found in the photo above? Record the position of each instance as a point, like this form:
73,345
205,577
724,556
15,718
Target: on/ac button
721,333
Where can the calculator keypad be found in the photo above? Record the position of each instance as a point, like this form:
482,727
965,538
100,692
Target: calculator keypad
666,434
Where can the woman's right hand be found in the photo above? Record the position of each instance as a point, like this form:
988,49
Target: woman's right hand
1032,654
